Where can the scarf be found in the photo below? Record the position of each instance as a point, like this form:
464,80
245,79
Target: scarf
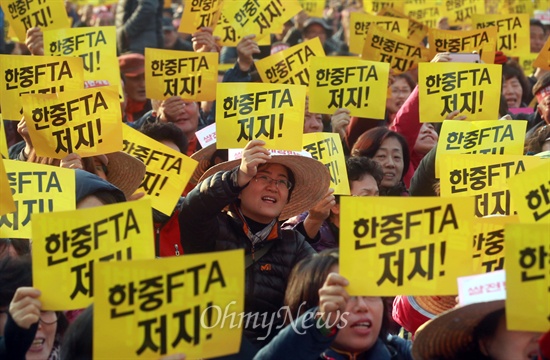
269,232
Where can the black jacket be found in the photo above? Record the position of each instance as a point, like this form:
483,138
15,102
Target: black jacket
204,228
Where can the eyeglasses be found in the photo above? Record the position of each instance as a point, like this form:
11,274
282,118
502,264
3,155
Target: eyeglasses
266,180
48,317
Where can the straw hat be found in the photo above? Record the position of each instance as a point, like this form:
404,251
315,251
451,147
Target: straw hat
431,306
311,181
451,333
125,172
206,157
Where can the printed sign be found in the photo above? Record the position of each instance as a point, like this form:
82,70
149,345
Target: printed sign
459,12
530,193
207,135
360,23
427,12
482,288
374,6
7,205
513,31
483,41
198,14
416,32
313,8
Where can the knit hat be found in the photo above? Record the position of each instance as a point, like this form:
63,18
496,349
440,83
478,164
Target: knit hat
311,181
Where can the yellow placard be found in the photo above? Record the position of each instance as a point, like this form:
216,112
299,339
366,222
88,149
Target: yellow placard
95,45
348,83
3,140
489,242
513,31
327,148
413,246
290,66
228,35
259,17
375,6
497,137
543,59
517,7
313,8
483,177
196,306
472,89
187,74
35,188
384,46
416,32
484,41
28,14
527,272
360,23
22,74
426,12
530,192
166,171
526,61
460,12
7,205
67,245
86,122
198,14
273,113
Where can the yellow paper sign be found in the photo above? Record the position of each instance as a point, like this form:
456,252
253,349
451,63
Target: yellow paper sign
416,246
472,89
483,177
67,245
543,59
416,32
259,17
86,122
489,242
484,41
327,148
313,8
166,171
513,31
375,6
273,113
385,46
28,14
3,140
35,188
427,12
360,23
526,61
348,83
530,193
196,308
187,74
527,273
516,7
7,205
497,137
460,12
22,74
95,45
290,66
198,14
229,37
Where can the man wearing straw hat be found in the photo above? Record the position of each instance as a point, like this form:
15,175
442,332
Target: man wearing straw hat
258,190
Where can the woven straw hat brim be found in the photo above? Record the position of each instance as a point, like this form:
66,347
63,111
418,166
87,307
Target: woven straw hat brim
312,181
125,172
451,333
204,157
435,305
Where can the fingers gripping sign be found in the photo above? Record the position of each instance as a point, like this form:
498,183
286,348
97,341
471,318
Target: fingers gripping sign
25,307
254,155
333,298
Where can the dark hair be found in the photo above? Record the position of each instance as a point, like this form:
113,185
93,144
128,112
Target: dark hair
534,143
407,78
78,340
21,246
360,166
537,22
511,69
166,131
485,330
370,141
308,276
15,272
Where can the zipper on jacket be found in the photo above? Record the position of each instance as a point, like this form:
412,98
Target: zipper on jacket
157,242
177,249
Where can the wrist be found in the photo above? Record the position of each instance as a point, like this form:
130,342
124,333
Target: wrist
323,326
